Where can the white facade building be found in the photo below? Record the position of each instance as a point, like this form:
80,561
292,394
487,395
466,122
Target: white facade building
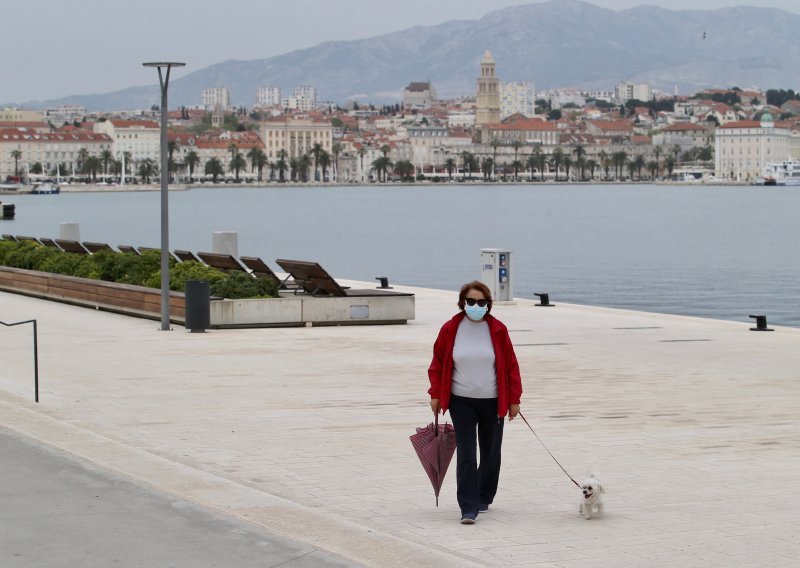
64,113
141,138
307,92
216,97
627,90
268,96
517,98
560,97
744,148
48,149
296,137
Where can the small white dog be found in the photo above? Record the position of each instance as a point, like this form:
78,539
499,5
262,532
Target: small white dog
592,502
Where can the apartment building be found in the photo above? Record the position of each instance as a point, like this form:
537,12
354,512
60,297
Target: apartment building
216,97
527,131
744,148
307,92
268,96
626,90
517,98
11,114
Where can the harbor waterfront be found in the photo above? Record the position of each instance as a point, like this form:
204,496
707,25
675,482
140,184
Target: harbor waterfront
714,251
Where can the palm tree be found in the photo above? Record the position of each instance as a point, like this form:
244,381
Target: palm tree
467,161
450,165
631,168
669,163
147,169
16,154
336,149
385,149
556,158
619,158
639,162
261,162
37,168
324,162
592,165
294,167
517,165
172,145
580,159
316,151
237,164
567,165
487,165
281,165
516,144
192,159
605,162
494,144
652,167
304,163
361,153
214,169
404,169
657,151
252,155
83,154
233,148
91,166
106,156
382,166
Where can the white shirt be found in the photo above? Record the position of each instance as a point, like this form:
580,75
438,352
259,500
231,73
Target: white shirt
474,373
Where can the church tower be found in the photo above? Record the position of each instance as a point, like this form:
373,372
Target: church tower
488,97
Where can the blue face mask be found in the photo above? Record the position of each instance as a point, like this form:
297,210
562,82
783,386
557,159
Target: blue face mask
476,313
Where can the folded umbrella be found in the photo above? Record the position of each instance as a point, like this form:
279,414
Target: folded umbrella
435,446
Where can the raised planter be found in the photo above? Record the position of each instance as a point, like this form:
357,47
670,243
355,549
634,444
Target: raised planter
288,310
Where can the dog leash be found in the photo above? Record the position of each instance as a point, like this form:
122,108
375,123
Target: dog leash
578,485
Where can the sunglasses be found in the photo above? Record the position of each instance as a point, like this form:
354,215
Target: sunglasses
473,301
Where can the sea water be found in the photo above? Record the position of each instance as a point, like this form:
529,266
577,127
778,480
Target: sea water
712,251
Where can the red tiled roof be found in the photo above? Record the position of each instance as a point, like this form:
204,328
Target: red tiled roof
9,134
133,123
683,126
524,124
612,125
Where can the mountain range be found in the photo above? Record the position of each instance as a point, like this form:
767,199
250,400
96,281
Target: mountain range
559,43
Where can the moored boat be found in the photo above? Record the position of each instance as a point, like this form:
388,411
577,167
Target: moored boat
45,188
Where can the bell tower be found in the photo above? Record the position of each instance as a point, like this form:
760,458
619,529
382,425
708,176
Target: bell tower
487,100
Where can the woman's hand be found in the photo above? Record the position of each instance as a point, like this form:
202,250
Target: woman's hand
513,410
435,406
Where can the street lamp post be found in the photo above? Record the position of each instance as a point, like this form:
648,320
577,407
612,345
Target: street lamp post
163,79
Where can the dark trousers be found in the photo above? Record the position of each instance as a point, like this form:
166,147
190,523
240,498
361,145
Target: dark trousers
476,485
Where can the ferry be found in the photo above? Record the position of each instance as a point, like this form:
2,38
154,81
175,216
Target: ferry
782,173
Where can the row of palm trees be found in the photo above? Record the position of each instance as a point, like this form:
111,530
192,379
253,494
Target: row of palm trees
574,161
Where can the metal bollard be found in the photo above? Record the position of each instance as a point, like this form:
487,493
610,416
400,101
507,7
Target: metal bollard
761,324
544,300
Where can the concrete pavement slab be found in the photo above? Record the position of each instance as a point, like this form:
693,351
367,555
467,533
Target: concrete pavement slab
691,424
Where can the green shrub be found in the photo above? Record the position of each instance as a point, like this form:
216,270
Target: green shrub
240,285
183,271
144,270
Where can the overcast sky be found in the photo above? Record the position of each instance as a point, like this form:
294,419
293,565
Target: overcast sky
55,48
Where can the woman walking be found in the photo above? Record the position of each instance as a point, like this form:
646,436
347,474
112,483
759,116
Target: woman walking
475,375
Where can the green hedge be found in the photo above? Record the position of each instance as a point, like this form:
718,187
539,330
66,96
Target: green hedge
125,268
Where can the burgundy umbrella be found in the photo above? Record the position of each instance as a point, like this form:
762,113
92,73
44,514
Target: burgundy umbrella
435,445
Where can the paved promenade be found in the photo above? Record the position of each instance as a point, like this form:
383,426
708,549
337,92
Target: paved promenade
691,424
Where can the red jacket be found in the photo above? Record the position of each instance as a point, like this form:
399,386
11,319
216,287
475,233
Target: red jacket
440,373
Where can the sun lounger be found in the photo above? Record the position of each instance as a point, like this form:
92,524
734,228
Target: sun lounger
49,243
311,278
9,238
224,262
186,256
20,238
71,246
259,269
96,247
128,249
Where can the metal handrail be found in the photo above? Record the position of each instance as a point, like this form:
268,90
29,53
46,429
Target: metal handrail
35,354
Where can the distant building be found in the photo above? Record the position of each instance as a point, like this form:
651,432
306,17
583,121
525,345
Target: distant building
216,97
745,147
296,137
64,113
419,95
306,92
268,96
141,138
487,104
516,98
48,149
11,114
461,119
526,131
559,98
626,90
297,103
